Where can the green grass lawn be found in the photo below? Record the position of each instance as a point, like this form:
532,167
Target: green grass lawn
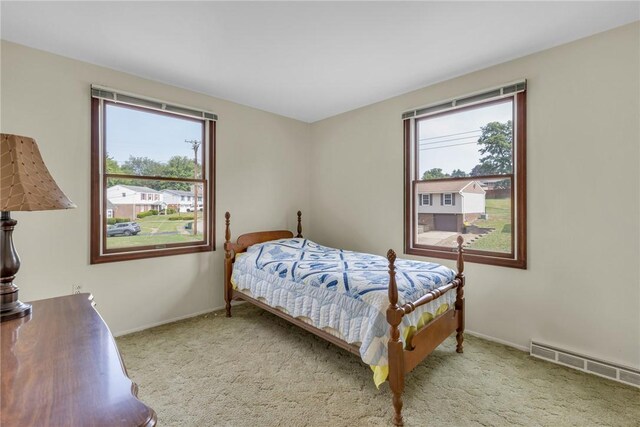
149,227
160,223
499,240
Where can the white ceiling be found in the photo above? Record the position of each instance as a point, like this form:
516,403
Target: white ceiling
306,60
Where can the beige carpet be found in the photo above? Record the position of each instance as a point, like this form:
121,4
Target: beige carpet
258,370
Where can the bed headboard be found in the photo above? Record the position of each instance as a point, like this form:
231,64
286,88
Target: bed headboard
241,245
248,239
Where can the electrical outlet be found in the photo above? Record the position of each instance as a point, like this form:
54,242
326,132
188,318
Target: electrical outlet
77,289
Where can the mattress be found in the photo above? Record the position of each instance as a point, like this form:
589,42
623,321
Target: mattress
342,292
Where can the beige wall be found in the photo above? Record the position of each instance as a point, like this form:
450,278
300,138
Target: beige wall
582,288
261,162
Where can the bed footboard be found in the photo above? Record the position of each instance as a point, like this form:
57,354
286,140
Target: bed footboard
425,340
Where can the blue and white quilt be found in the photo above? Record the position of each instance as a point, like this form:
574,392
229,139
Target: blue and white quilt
341,290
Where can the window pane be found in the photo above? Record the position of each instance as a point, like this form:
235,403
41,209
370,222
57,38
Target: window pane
146,143
144,212
461,177
471,142
480,210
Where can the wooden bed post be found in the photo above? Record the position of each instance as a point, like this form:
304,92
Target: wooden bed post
228,291
299,225
460,297
395,350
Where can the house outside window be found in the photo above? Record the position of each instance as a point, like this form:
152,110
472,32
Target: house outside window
425,199
468,153
174,154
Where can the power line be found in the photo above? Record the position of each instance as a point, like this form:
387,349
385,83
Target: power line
451,134
445,146
449,140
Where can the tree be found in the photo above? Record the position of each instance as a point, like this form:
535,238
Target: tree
148,167
481,169
178,167
142,166
112,165
496,147
434,173
458,173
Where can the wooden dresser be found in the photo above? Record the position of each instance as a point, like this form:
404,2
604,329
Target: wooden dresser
61,367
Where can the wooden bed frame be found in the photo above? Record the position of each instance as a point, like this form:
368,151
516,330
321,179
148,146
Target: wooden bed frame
401,359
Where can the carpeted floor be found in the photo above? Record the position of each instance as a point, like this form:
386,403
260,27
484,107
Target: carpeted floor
258,370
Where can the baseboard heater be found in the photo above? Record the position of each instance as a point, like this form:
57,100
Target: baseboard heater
586,364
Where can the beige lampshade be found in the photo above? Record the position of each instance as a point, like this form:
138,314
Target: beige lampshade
25,182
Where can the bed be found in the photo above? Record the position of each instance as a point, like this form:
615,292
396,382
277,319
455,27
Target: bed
390,312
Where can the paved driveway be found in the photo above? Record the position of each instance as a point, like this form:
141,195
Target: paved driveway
444,238
435,237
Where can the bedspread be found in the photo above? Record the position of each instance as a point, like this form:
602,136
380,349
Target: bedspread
341,290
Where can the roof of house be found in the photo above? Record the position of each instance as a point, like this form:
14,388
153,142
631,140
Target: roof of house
179,192
139,189
457,186
110,205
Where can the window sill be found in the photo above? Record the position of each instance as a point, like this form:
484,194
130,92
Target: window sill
473,258
127,256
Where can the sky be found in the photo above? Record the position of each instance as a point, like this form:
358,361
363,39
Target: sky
448,142
142,134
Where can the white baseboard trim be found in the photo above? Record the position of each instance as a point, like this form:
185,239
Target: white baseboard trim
164,322
211,310
497,340
174,319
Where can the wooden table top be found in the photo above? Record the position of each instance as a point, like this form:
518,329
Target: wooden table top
61,367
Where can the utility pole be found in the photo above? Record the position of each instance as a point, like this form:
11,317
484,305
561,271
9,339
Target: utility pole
195,144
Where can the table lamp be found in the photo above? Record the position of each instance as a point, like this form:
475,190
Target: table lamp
25,185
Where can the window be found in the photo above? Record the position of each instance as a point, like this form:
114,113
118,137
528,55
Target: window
469,155
144,150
